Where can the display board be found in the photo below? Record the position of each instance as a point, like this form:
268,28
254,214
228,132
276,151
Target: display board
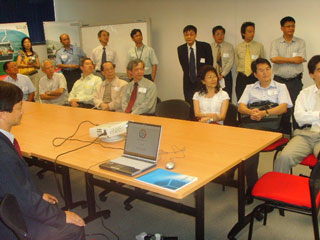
120,40
11,35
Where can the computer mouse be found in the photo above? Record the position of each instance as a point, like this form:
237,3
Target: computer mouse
170,165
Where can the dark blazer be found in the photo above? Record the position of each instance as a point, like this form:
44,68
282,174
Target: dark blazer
204,57
15,179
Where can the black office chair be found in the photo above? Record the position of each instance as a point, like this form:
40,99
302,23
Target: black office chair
11,215
174,108
231,117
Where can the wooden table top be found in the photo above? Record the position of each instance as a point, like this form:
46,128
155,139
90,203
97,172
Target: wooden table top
209,149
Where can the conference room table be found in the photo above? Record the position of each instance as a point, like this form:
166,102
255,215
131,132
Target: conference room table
205,151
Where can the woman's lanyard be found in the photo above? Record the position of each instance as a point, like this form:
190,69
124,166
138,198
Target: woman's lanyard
137,52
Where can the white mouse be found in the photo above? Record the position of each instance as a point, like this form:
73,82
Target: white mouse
170,165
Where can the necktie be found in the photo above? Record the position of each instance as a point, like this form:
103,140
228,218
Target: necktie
17,147
132,98
219,61
107,93
247,62
104,56
192,67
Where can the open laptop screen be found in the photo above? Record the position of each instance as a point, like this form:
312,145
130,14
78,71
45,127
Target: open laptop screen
143,140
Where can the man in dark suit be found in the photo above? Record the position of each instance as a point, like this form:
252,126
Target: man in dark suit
192,56
43,218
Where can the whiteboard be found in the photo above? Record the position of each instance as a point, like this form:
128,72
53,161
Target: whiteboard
119,40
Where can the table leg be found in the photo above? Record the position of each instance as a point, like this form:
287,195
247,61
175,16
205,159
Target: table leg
92,213
199,204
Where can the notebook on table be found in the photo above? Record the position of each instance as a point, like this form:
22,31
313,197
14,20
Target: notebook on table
140,151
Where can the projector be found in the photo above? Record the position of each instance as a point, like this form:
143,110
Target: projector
109,132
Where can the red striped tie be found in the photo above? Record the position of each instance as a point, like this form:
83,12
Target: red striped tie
132,98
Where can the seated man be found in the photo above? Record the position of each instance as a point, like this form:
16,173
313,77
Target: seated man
108,94
53,86
83,89
44,219
306,140
22,81
140,95
263,90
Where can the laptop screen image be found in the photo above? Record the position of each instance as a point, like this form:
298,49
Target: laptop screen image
143,140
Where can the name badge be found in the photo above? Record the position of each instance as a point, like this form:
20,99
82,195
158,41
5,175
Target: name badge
225,55
116,89
294,54
254,57
64,56
202,60
142,90
24,89
272,92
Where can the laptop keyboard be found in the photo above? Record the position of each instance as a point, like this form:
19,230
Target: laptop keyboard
131,162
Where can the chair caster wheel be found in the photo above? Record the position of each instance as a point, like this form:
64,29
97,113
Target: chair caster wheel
128,207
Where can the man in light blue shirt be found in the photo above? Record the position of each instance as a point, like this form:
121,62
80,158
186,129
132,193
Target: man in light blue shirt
22,81
68,59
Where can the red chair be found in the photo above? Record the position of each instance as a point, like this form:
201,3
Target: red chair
288,192
276,146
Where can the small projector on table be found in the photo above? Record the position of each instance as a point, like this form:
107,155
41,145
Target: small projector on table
109,132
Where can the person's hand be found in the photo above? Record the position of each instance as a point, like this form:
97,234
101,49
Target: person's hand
204,119
49,198
74,218
104,106
74,103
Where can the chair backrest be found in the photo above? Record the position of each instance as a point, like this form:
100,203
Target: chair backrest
174,108
231,117
11,215
314,184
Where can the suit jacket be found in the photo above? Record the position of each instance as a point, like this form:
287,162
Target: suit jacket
203,55
15,179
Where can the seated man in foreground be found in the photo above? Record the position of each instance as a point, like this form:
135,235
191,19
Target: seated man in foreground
20,80
44,219
140,95
263,90
83,89
306,140
53,86
108,94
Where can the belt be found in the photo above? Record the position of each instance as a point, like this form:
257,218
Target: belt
306,126
70,70
299,76
30,74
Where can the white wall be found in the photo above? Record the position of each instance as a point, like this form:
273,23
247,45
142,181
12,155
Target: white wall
168,18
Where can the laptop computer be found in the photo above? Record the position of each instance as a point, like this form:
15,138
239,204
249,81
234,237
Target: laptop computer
140,151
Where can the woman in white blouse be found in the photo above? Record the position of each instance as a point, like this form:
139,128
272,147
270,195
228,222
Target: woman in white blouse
210,101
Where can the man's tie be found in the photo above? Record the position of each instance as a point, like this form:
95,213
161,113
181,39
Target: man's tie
247,62
17,147
219,61
104,57
107,93
192,67
132,98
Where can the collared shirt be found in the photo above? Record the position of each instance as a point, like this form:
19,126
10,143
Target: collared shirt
57,81
117,88
146,54
213,104
24,83
256,51
227,56
281,48
304,110
9,135
146,98
96,56
71,56
84,88
275,92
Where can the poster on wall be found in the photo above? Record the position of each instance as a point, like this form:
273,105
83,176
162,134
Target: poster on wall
11,35
52,32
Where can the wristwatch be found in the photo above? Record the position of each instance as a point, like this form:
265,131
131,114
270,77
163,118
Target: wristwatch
267,113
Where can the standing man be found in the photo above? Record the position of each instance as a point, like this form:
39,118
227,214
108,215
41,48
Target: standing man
43,218
192,56
52,86
144,53
245,53
108,94
223,56
306,140
287,54
68,59
20,80
140,95
83,89
103,52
